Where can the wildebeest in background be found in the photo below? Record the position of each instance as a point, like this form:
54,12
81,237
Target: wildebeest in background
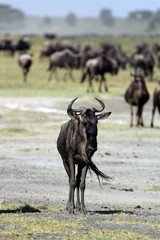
137,95
21,45
25,62
6,46
77,142
99,66
51,47
9,46
64,59
156,102
50,36
115,52
142,59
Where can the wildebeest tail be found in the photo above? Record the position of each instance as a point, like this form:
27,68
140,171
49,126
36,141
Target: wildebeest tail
99,174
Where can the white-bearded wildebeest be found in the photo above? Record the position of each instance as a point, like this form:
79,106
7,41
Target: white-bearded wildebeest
25,62
99,66
64,59
156,102
77,142
137,95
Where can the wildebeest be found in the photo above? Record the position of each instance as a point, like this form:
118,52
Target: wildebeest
64,59
99,66
77,142
156,102
6,46
137,95
25,62
116,52
11,46
143,61
21,45
51,47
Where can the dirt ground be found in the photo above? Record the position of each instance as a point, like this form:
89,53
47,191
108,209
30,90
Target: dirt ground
31,170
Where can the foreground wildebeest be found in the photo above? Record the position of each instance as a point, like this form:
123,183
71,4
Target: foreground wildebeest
77,142
64,59
99,66
25,62
156,102
137,95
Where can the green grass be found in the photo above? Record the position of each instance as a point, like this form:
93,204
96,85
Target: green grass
16,131
27,222
155,188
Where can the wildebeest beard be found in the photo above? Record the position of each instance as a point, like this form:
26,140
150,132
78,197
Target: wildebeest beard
87,137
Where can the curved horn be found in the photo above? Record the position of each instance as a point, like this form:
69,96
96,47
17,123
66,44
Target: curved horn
70,110
102,105
71,103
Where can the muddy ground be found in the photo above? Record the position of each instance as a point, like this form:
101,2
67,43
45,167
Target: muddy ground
31,171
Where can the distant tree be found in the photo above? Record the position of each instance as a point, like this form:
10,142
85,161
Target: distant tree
106,17
154,21
71,19
47,20
140,15
9,15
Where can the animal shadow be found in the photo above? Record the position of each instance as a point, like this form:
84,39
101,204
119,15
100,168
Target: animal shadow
23,209
110,212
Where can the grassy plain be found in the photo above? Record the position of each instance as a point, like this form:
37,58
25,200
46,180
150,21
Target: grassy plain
11,79
51,222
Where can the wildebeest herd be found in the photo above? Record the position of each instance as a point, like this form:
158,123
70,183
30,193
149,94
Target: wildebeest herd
95,63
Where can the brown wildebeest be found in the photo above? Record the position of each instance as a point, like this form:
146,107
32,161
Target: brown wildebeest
99,66
77,142
156,102
137,95
64,59
25,62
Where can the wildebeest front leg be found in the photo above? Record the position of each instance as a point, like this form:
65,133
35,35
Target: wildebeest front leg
139,116
90,84
70,74
103,80
66,166
131,110
72,185
153,112
78,180
24,72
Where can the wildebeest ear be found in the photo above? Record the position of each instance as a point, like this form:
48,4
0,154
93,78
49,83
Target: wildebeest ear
72,114
103,115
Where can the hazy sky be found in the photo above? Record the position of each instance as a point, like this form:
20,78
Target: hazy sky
81,7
